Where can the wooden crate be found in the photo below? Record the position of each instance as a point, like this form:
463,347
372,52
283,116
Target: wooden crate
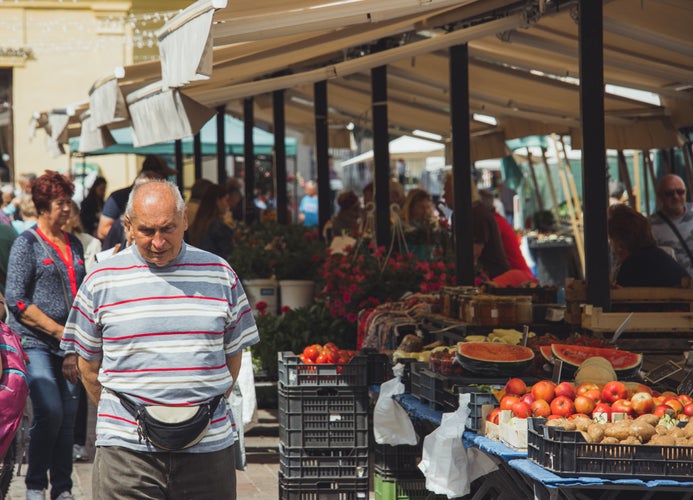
595,320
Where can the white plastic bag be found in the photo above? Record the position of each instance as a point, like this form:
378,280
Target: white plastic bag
448,467
246,382
391,424
235,402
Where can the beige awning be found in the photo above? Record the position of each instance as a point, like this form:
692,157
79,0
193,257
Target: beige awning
91,137
106,101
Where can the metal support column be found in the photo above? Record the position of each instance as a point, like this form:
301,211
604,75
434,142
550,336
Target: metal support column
461,165
178,152
381,156
595,193
221,145
280,157
249,159
197,155
321,153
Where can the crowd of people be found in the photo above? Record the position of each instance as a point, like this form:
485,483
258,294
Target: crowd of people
100,335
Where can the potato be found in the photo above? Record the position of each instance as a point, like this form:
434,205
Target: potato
666,440
650,419
677,432
630,440
561,422
662,430
642,430
610,440
619,430
681,441
688,429
595,432
582,423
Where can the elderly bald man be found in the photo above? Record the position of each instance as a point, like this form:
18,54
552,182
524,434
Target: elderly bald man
672,224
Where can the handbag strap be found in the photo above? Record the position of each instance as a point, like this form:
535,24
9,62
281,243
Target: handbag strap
134,409
68,302
677,233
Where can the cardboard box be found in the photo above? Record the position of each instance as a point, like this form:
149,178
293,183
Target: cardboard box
510,430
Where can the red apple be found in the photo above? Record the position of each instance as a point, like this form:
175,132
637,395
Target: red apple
583,389
521,409
544,389
688,410
493,415
675,404
642,402
565,389
614,391
685,399
578,415
622,406
515,386
507,402
583,404
603,408
563,406
527,398
662,410
540,408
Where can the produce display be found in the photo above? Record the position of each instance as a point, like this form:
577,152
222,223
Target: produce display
325,354
625,363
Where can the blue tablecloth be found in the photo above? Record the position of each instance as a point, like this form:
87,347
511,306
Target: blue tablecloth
418,410
472,439
551,480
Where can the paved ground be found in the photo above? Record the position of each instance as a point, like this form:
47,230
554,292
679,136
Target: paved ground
258,482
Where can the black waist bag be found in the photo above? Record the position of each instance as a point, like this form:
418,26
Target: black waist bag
171,428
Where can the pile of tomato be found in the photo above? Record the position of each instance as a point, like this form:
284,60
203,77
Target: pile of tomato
325,354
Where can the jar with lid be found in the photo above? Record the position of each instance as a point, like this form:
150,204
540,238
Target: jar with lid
486,312
523,308
506,311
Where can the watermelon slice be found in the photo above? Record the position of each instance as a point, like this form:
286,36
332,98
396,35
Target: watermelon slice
625,363
494,358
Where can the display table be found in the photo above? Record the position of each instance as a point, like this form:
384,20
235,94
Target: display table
519,478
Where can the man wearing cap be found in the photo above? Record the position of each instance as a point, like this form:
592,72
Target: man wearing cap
115,204
672,224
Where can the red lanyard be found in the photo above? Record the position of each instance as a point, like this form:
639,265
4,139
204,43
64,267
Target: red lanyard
67,259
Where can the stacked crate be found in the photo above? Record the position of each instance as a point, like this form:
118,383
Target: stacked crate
323,429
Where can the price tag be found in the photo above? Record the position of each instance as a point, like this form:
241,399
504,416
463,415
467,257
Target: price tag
686,385
662,371
557,370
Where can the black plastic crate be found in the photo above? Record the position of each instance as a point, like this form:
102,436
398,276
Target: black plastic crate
323,489
379,368
294,373
568,454
411,373
323,418
415,378
323,464
398,462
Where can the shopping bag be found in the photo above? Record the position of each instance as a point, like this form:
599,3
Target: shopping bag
235,402
445,462
391,424
246,382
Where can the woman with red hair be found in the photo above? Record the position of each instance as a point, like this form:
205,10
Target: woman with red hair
45,269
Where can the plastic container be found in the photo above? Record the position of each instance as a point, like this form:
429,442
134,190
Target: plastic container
485,310
294,373
262,290
397,462
402,489
322,489
296,293
567,453
523,310
323,418
323,464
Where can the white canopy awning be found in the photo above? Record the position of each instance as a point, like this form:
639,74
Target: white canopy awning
400,146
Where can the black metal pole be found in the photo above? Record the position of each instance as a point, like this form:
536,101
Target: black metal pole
321,152
221,145
178,152
249,159
594,172
381,156
461,165
197,155
280,157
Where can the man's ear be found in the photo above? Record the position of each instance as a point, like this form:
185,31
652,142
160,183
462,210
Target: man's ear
185,219
127,224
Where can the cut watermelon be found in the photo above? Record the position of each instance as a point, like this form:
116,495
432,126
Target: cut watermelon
494,358
625,363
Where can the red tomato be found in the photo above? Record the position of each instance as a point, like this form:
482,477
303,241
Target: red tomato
332,356
322,359
310,353
331,346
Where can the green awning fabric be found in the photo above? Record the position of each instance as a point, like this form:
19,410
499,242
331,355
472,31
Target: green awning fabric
233,130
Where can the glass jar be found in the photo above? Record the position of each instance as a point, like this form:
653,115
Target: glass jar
507,315
523,308
486,312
